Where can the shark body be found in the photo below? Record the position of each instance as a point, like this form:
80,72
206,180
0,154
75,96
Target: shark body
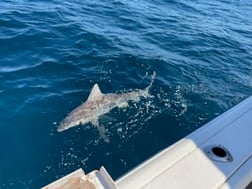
99,104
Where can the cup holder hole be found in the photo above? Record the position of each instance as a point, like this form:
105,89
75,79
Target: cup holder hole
220,152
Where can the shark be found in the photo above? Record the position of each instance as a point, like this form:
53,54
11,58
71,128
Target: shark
98,104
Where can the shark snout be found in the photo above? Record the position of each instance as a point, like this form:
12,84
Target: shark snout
60,128
67,123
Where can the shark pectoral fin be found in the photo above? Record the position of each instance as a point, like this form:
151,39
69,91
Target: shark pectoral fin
102,132
101,129
95,122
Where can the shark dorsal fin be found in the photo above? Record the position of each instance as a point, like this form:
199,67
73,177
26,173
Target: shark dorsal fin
95,93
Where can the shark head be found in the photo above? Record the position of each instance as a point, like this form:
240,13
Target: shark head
65,124
62,127
78,117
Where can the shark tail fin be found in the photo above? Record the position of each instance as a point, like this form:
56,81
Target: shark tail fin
147,89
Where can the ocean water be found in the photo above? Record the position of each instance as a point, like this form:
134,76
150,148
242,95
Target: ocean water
52,52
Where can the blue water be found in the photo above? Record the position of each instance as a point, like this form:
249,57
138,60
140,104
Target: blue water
52,52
